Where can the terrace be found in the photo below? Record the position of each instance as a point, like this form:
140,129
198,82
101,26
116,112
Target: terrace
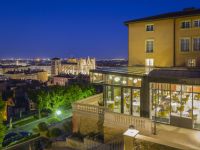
114,124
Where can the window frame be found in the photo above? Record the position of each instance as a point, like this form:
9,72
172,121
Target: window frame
151,24
198,23
184,21
193,44
185,38
148,60
149,40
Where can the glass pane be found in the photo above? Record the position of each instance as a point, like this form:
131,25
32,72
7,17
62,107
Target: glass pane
136,102
176,100
196,107
109,99
127,100
154,100
186,101
137,82
161,102
117,99
97,77
109,79
163,106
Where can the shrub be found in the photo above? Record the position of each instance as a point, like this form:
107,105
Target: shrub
36,130
55,132
42,127
67,126
53,120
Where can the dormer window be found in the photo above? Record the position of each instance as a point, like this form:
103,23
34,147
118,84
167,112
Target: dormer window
149,27
185,24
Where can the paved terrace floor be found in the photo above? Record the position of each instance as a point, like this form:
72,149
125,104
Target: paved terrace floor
180,137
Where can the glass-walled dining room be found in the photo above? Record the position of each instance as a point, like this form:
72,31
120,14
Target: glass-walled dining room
175,102
124,100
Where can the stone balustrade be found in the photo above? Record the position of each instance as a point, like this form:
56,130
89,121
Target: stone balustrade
112,119
88,108
85,108
92,100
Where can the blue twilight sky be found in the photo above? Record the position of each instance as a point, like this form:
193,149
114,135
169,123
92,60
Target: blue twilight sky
79,28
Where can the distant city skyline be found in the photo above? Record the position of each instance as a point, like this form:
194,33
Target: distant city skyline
46,29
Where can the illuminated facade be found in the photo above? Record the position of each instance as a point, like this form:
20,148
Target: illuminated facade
162,81
167,40
38,75
73,66
158,93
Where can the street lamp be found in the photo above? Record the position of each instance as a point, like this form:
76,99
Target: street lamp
58,112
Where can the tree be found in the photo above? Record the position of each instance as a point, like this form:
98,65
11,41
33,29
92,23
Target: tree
55,132
57,97
67,126
42,127
2,126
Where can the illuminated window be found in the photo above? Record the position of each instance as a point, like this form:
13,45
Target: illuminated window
149,62
191,63
185,24
149,46
185,45
127,100
196,44
196,23
150,27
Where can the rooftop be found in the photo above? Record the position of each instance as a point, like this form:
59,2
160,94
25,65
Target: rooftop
184,13
151,72
25,72
69,63
56,58
65,76
137,71
175,73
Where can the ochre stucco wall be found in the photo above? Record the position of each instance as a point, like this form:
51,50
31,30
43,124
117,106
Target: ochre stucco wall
166,47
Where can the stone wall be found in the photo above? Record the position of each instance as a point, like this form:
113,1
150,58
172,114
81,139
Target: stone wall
85,123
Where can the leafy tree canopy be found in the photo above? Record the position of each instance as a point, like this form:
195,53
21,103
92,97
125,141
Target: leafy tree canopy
59,97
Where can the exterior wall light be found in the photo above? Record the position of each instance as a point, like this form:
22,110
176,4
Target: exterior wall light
130,78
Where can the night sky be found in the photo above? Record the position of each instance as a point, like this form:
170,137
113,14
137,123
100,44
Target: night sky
74,28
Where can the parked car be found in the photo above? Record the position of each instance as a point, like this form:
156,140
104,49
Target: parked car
14,137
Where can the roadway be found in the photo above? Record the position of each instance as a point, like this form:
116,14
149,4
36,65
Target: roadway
30,126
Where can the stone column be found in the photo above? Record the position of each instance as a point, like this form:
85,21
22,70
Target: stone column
129,137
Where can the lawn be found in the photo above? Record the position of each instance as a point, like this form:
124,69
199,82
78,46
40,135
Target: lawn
24,122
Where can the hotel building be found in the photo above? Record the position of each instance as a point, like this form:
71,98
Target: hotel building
161,83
